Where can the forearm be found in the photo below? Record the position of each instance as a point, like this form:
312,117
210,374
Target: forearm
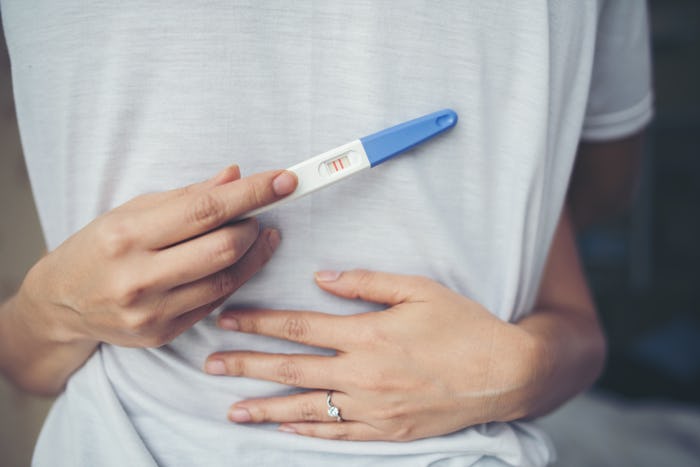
35,353
564,326
137,276
570,354
568,340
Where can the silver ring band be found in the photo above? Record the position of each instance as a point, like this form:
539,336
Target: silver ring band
333,411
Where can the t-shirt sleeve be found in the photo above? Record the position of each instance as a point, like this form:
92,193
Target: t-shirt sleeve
620,100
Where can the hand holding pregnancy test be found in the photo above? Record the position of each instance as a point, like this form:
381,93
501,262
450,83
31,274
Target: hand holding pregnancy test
370,151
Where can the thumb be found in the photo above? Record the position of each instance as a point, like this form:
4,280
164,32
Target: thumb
373,286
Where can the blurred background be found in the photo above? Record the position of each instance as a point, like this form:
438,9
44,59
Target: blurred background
643,267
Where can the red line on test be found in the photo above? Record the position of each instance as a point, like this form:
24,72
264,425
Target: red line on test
340,161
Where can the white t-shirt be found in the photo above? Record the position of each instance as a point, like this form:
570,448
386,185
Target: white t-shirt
115,99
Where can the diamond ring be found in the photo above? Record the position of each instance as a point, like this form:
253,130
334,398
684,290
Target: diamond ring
333,411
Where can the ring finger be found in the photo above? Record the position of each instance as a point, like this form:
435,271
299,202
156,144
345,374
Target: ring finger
204,255
305,407
190,296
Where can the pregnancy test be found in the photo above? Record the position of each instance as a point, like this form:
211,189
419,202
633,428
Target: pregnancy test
370,151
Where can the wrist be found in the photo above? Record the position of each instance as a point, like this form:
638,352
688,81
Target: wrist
34,310
38,351
528,366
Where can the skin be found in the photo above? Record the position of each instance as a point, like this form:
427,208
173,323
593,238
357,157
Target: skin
137,276
401,375
433,362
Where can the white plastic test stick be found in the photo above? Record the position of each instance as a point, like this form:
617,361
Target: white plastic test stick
348,159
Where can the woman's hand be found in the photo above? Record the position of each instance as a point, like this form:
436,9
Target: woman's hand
432,363
146,271
138,275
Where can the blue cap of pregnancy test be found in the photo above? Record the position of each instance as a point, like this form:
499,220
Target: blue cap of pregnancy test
387,143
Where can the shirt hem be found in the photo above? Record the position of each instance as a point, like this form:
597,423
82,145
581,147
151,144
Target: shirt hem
619,124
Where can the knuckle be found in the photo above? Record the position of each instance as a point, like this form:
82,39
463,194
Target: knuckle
115,236
234,366
226,249
206,210
127,288
257,194
365,279
261,414
307,411
289,373
127,292
296,329
140,324
225,282
161,307
248,324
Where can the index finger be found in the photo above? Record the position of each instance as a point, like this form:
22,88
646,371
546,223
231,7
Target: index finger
198,212
305,327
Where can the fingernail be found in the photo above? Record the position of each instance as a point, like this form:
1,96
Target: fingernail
284,183
287,429
273,238
228,323
239,415
327,276
215,367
